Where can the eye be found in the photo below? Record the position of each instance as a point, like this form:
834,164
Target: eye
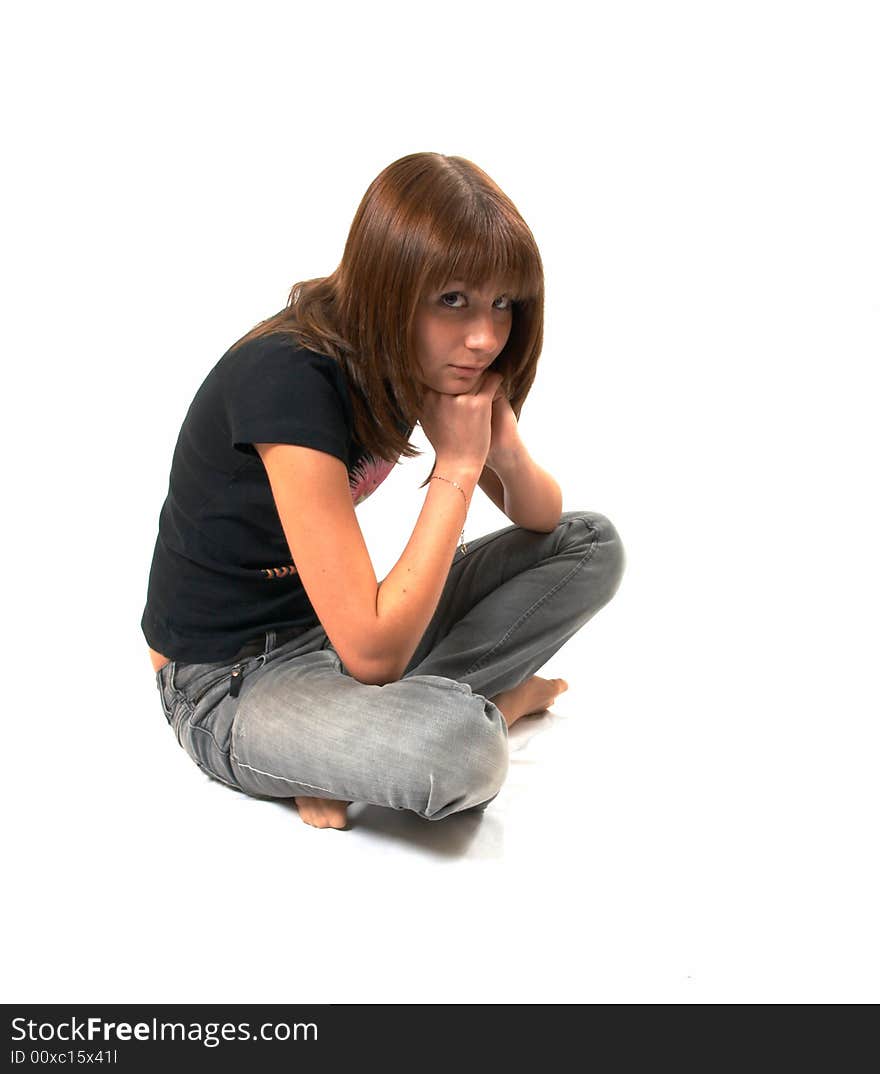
459,294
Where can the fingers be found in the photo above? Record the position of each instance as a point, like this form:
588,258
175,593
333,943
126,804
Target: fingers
490,385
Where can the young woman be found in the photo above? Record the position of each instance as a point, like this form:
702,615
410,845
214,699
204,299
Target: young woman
285,668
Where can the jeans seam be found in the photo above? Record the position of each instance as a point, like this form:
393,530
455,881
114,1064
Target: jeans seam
167,712
530,611
284,779
204,730
441,684
210,772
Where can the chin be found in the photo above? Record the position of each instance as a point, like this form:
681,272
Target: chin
445,386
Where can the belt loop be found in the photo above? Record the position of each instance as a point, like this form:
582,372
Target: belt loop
270,642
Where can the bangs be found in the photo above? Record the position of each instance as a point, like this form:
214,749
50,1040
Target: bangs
494,252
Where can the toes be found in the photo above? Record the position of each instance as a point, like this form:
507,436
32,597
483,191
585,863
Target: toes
338,823
325,818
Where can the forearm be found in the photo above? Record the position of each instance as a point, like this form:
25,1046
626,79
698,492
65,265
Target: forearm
532,498
408,597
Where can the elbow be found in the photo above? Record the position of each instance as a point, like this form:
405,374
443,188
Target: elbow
383,673
556,517
542,526
374,678
543,520
371,672
375,664
368,678
377,680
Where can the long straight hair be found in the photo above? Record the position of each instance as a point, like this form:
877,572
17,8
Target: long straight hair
425,220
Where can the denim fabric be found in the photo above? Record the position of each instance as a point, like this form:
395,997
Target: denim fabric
431,742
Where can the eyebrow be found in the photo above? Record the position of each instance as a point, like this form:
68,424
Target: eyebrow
460,285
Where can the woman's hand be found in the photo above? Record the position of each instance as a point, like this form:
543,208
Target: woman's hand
506,444
459,426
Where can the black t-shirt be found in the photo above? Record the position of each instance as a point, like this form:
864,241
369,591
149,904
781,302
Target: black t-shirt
222,571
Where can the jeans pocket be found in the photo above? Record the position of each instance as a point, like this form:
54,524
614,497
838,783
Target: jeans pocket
195,681
171,699
176,710
206,691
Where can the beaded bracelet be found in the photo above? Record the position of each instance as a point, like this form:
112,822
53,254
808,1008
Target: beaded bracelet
437,477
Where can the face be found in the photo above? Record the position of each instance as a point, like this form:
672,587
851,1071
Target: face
459,332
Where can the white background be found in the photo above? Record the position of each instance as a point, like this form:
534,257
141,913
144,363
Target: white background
696,821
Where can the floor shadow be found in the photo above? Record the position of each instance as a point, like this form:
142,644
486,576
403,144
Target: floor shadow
453,836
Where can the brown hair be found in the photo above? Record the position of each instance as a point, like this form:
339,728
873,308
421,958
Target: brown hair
425,220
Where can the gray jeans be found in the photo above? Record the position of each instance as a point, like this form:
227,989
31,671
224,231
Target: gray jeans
296,723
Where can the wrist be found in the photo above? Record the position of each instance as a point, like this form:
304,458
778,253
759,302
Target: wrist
465,473
508,464
465,487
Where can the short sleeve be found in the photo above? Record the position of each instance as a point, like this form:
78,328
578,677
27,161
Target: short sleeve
278,393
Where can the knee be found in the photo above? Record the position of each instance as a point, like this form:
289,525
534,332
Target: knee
597,538
473,764
463,751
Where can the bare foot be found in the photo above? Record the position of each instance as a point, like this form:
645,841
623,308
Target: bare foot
323,812
533,695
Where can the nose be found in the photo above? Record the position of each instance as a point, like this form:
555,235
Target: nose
485,335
